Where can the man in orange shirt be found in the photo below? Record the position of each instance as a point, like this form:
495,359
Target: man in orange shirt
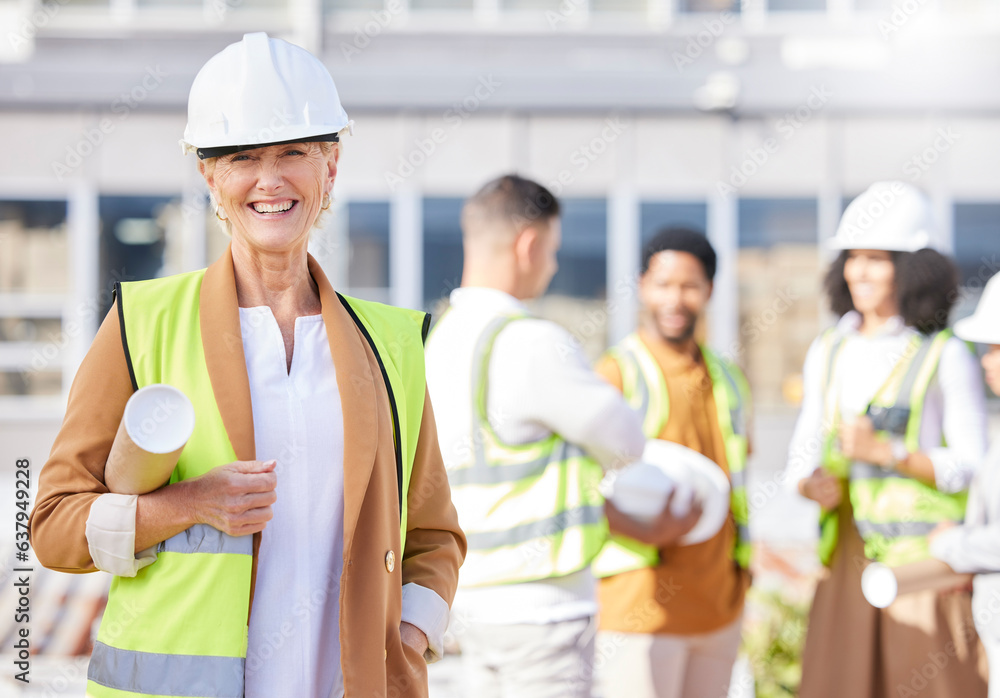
670,621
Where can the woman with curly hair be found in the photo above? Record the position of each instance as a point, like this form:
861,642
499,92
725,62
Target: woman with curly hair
891,430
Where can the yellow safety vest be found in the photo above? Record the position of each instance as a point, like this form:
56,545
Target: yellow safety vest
645,389
893,512
179,627
530,511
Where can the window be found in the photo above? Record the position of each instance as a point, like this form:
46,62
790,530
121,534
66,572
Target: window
583,255
769,222
655,216
708,5
618,6
441,4
977,242
133,238
531,5
442,248
368,237
34,273
796,5
779,294
375,5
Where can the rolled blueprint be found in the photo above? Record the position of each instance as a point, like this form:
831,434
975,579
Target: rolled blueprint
158,421
881,584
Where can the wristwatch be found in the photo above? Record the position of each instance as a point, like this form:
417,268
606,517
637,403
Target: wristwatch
899,452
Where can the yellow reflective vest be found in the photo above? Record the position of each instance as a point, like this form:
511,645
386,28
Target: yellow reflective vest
892,511
179,627
645,389
530,511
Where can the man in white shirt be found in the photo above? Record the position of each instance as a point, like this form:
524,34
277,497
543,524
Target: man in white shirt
525,428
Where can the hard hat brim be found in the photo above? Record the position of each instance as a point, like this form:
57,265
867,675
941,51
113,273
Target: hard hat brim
975,328
219,151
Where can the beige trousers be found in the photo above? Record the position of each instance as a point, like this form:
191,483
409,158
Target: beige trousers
636,665
554,660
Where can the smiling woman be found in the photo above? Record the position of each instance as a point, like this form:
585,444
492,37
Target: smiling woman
296,488
891,431
308,165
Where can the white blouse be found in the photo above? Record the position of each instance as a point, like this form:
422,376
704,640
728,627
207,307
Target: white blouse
954,408
294,640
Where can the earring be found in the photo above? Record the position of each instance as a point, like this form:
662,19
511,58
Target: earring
221,216
326,201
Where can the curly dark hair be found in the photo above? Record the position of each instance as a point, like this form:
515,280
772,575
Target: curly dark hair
926,288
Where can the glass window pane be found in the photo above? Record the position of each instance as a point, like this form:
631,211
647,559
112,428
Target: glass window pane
355,4
536,5
368,236
873,5
796,5
33,247
30,382
632,6
133,238
708,5
977,242
780,294
583,255
767,222
654,216
34,260
441,4
442,248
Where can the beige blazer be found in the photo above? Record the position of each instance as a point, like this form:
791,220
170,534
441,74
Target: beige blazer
374,661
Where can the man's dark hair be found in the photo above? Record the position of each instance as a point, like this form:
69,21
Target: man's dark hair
511,201
926,288
681,240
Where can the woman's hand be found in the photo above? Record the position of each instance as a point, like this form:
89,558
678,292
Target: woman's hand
858,442
235,498
823,488
662,532
414,637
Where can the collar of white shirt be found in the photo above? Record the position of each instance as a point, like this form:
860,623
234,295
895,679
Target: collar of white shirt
850,324
484,298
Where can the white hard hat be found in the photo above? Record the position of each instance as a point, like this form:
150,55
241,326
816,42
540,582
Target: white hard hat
261,91
893,216
983,325
641,489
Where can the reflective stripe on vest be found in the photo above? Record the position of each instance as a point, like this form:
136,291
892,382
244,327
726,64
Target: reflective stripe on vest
645,389
529,511
164,674
179,627
892,511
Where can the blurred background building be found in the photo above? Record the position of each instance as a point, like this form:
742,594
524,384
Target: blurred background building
755,121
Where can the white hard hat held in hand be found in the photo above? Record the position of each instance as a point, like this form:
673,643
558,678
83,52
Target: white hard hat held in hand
983,326
892,216
261,91
641,490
